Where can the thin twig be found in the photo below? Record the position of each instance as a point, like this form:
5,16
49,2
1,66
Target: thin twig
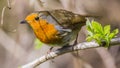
9,5
3,11
80,46
2,16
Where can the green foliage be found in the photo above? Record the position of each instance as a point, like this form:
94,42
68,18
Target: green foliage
38,44
98,33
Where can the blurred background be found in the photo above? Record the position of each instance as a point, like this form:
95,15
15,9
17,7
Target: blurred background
17,40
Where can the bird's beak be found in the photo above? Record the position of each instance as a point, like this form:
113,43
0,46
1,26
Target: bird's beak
23,22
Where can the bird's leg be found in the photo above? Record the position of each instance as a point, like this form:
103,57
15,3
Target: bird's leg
50,50
75,42
67,45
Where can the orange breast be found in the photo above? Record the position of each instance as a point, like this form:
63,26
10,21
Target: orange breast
45,31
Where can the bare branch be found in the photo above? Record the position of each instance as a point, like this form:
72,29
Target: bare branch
3,11
9,5
2,16
80,46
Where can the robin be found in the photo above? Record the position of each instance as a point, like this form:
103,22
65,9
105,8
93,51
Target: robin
55,27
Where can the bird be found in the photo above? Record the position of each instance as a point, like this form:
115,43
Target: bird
56,27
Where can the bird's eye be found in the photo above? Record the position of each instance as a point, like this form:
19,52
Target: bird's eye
36,18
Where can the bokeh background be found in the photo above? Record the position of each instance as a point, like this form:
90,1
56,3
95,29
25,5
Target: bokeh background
17,40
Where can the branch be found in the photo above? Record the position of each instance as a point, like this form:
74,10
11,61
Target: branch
80,46
3,11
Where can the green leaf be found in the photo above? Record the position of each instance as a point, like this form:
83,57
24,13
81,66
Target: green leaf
89,38
89,26
90,33
97,36
97,27
38,44
98,41
98,33
107,29
115,31
107,40
112,35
